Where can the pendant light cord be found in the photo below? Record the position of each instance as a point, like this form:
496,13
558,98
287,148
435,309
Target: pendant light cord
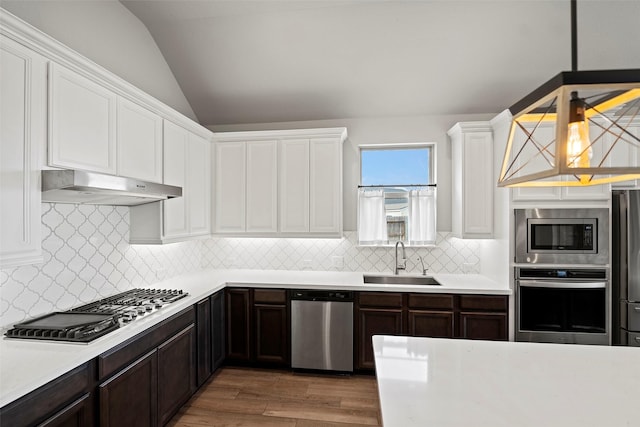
574,36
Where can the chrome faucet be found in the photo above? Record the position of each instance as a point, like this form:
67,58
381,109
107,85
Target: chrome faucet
424,270
403,260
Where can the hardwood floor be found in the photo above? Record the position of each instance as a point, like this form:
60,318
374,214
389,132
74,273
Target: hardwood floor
242,397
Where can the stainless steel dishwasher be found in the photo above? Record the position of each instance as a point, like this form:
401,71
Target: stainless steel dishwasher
322,330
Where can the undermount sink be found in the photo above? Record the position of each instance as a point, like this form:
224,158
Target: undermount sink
401,280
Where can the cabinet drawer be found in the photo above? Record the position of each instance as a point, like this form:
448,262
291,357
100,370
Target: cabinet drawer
484,302
380,299
270,296
431,301
52,399
122,355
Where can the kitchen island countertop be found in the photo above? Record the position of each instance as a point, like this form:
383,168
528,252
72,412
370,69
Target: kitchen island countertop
431,382
21,361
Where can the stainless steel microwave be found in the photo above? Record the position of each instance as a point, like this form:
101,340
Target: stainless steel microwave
562,236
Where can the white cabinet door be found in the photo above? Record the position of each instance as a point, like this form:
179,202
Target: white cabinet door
478,185
472,180
22,133
176,140
294,186
325,185
82,123
198,186
262,187
187,164
230,186
139,142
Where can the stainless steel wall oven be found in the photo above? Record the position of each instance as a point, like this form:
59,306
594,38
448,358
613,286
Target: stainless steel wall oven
563,305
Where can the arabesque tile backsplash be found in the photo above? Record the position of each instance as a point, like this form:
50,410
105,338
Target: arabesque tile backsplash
87,256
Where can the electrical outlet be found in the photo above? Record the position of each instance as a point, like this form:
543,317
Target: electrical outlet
338,262
467,267
307,264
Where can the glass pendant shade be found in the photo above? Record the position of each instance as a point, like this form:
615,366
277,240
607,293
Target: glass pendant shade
579,128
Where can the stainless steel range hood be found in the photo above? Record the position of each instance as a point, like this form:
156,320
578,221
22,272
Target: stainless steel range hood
72,186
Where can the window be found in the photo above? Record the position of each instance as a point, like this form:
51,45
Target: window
397,197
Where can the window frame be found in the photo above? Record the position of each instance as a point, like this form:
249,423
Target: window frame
432,174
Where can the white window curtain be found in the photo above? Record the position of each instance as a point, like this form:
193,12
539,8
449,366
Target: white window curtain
372,218
422,216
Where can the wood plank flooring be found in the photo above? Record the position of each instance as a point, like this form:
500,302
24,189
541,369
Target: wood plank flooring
242,397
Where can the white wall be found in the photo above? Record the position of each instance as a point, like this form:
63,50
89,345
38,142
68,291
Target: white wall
110,35
381,130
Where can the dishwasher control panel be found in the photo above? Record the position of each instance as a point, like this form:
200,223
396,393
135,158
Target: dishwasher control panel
316,295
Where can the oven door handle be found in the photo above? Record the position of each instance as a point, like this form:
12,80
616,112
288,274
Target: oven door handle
566,285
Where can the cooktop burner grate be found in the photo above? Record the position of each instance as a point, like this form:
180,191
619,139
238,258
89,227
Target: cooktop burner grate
90,321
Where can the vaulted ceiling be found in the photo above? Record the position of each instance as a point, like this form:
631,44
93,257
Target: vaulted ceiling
256,61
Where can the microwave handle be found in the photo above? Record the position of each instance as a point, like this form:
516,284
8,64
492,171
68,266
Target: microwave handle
566,285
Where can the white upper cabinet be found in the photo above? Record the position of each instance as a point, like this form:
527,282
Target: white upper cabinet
325,185
230,184
198,186
262,187
22,134
139,147
82,122
176,140
294,186
279,183
472,180
186,164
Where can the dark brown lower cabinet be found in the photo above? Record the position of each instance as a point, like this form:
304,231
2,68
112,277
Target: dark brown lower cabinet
176,373
204,352
210,329
130,397
257,326
218,330
483,326
66,401
426,315
238,324
271,334
146,379
76,414
484,317
434,324
375,321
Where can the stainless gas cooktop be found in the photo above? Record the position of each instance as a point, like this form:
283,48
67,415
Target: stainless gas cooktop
90,321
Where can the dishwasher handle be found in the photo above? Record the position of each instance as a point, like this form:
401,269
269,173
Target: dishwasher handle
323,295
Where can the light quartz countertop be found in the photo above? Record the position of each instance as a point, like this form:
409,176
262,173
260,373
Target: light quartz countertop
26,365
431,382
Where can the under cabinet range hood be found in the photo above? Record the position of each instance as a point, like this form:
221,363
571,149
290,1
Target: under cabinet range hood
73,186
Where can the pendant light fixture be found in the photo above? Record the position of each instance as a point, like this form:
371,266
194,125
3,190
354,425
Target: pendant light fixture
579,128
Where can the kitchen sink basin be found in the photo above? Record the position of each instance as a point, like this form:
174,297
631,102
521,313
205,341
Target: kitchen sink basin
401,280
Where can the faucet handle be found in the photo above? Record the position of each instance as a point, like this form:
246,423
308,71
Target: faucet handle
424,270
